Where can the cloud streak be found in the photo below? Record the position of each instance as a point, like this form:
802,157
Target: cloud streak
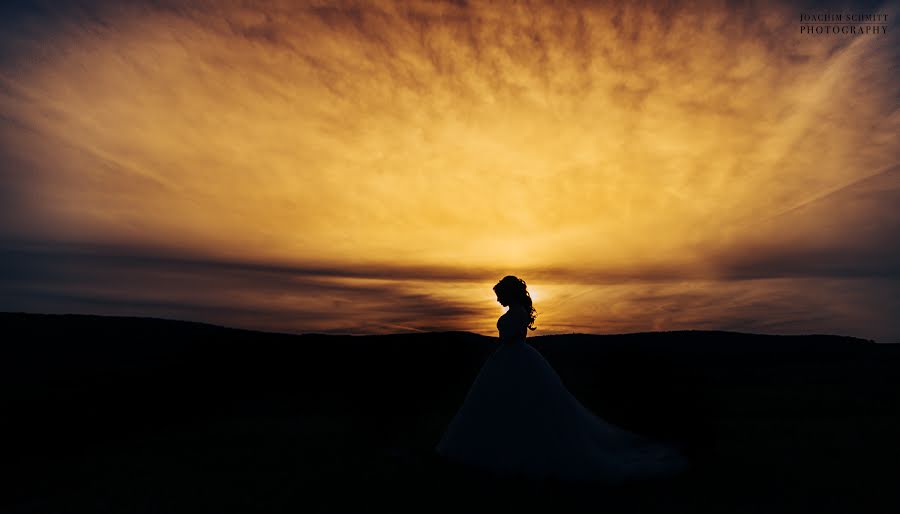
63,279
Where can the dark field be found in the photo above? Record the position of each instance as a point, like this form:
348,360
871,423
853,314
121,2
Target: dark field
128,415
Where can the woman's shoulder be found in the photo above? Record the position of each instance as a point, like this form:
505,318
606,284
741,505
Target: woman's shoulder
514,314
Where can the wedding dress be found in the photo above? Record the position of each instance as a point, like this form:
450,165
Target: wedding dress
519,419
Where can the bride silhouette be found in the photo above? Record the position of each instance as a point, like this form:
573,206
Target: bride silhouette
519,419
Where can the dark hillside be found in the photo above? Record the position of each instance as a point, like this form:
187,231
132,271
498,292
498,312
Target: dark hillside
146,415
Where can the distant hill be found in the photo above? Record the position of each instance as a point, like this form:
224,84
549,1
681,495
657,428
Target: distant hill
74,384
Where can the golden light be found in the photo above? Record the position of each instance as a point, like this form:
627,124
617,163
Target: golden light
568,144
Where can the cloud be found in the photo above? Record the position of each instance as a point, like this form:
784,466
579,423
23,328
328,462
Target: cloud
846,232
113,281
110,281
418,142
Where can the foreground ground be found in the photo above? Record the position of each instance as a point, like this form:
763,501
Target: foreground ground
133,415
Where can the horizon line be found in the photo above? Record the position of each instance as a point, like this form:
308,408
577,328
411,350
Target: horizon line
425,332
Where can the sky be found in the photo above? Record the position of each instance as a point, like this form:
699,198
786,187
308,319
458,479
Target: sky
376,167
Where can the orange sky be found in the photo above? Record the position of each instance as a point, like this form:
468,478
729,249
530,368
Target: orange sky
378,166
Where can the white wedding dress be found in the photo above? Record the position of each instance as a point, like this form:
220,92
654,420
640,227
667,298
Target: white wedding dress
519,419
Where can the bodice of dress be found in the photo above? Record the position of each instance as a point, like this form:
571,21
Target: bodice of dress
513,324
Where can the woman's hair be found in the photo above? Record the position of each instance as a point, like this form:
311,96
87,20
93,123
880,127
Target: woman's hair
513,290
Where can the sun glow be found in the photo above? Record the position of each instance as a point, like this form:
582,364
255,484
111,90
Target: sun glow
535,293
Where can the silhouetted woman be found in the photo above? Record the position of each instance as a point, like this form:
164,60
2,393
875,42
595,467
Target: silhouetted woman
519,419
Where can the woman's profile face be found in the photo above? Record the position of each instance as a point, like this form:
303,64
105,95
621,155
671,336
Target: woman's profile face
501,299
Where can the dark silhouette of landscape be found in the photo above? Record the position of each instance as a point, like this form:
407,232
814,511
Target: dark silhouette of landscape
109,414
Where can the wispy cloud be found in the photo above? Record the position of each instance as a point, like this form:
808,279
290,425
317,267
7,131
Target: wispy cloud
63,278
66,279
